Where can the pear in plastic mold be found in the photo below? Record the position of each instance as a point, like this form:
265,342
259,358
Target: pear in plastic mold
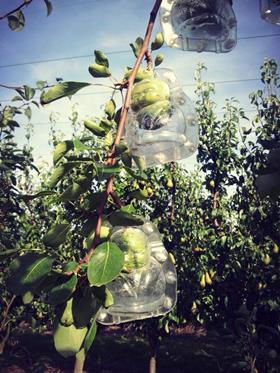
199,25
163,130
147,290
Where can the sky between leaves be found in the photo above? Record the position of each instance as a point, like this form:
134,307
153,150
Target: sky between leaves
77,27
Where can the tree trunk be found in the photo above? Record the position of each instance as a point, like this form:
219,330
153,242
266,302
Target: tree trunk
153,364
153,342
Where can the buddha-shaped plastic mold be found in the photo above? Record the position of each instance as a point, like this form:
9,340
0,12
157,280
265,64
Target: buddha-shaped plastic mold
162,124
270,10
147,286
199,25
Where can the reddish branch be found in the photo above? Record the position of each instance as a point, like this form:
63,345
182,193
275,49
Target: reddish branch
125,108
25,3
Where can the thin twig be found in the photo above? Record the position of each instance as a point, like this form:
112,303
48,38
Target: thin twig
10,87
125,109
25,3
6,312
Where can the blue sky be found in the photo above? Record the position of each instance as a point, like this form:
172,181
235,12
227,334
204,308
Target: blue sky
77,27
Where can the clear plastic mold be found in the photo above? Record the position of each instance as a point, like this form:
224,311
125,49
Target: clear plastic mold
199,25
166,130
148,290
270,11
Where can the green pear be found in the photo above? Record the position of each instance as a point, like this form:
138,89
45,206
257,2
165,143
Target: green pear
147,92
67,316
132,241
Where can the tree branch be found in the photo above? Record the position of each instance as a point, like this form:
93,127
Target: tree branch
25,3
125,108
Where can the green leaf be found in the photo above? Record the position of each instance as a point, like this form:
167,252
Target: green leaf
62,292
85,307
73,192
93,201
16,21
70,266
99,71
137,46
120,149
61,149
80,146
105,264
68,340
29,92
141,177
90,336
28,112
56,235
40,84
17,98
139,194
61,90
28,272
8,253
30,197
49,7
60,171
107,170
110,109
123,218
94,128
128,208
101,58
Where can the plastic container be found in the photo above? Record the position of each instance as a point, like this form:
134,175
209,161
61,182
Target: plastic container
199,25
270,11
167,129
147,291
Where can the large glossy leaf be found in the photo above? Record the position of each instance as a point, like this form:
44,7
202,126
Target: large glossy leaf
90,336
124,218
105,264
68,340
56,235
61,90
85,306
63,291
28,272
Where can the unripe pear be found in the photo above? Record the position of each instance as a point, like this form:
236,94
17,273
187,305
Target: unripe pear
67,316
169,183
159,58
132,241
208,279
99,71
266,259
158,42
194,308
276,249
212,183
202,281
147,92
